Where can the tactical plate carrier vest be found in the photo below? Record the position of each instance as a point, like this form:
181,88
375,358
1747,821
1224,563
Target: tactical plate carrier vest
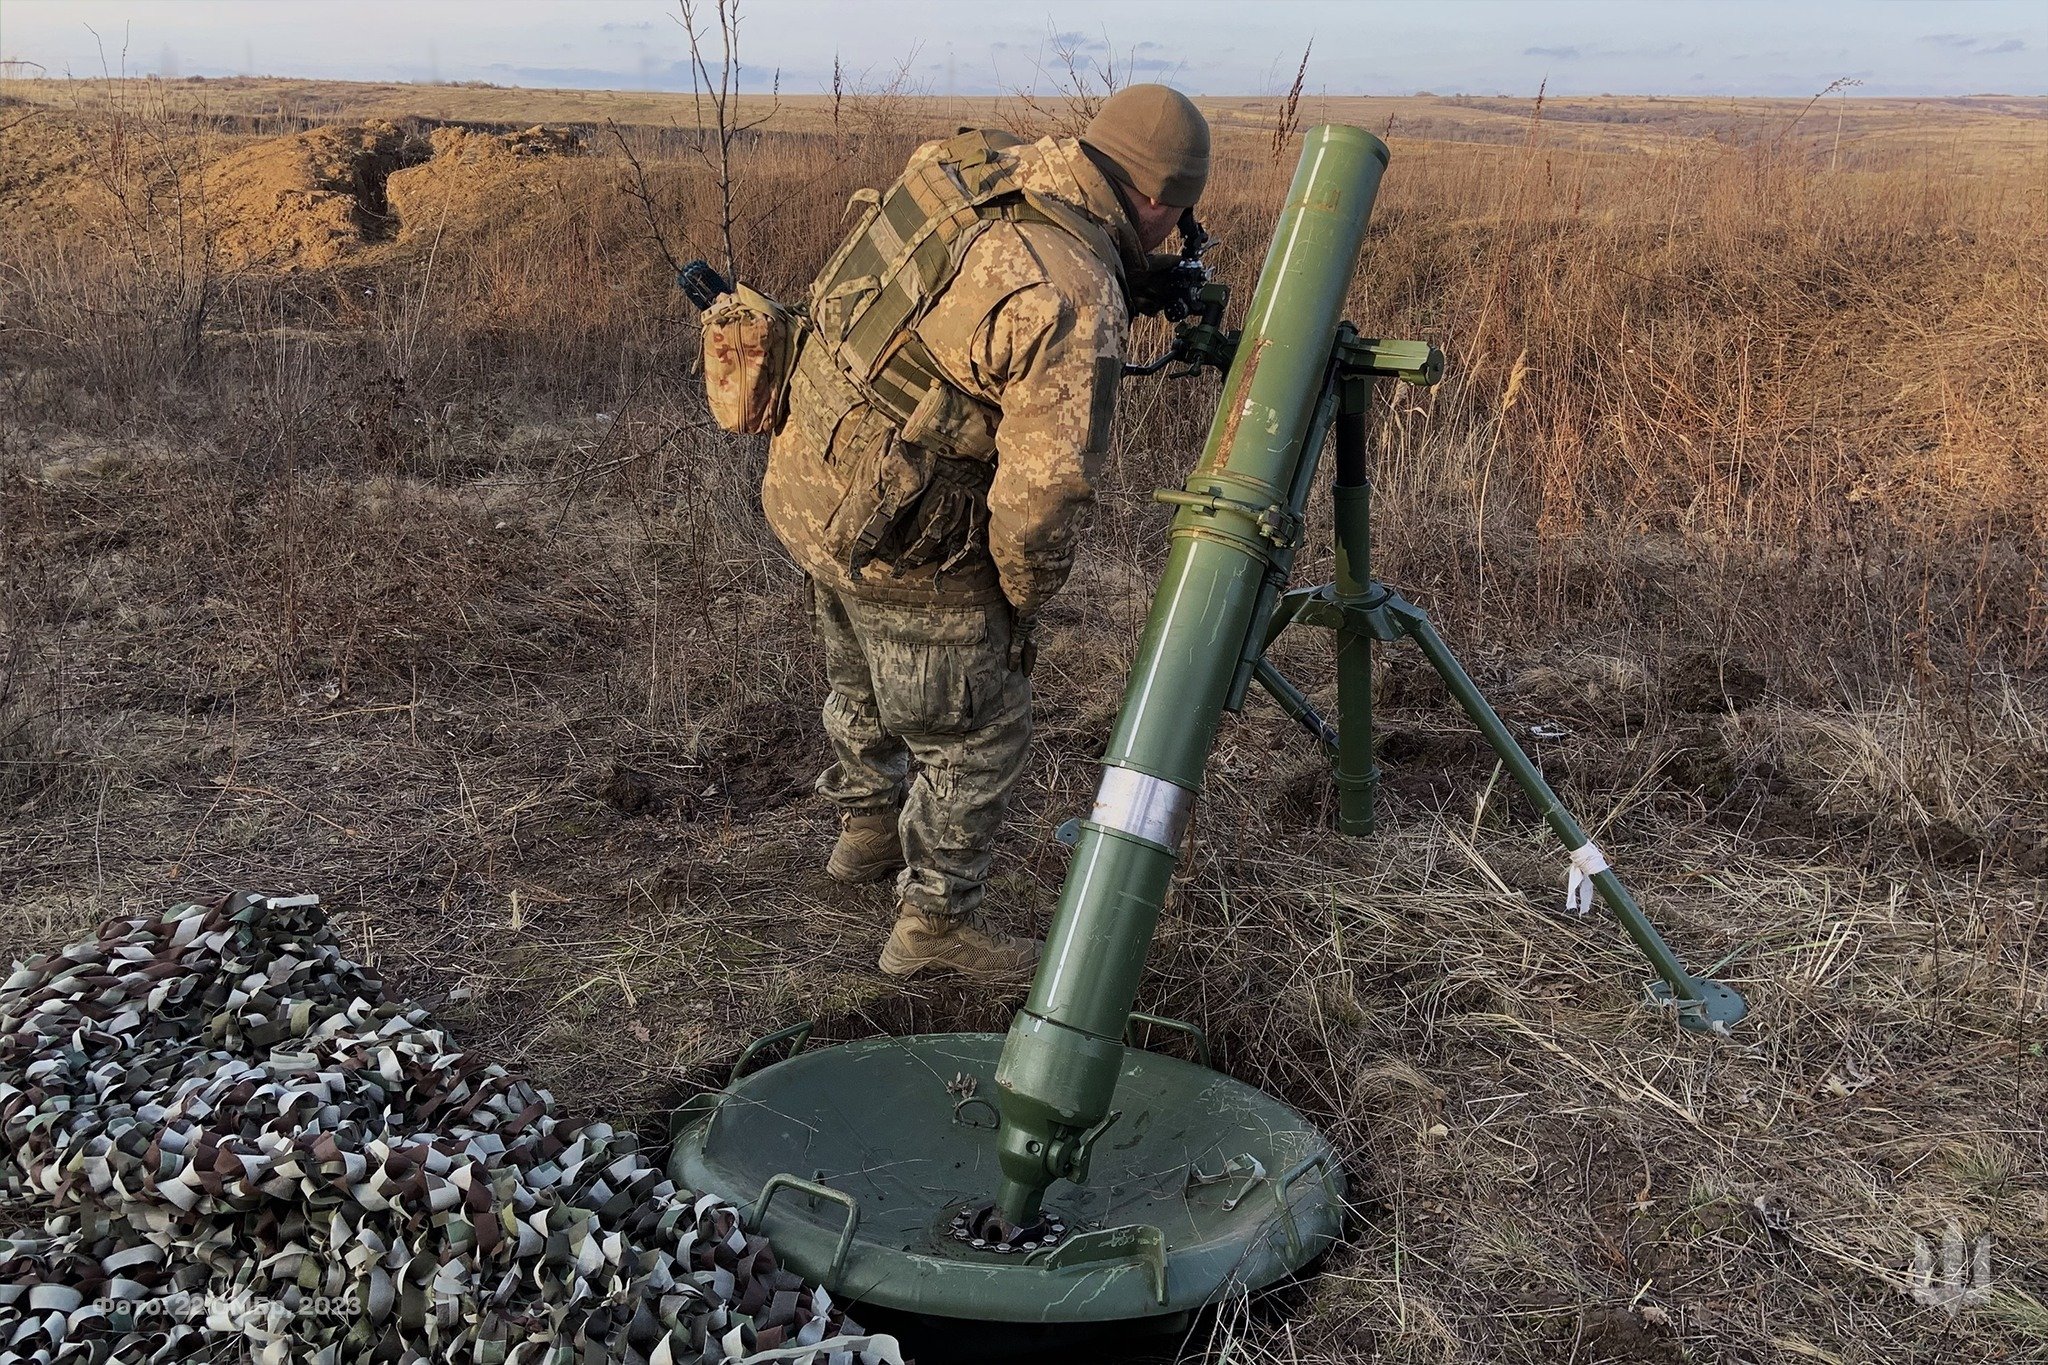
905,456
907,247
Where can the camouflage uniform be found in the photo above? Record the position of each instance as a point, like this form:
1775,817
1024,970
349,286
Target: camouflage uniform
930,659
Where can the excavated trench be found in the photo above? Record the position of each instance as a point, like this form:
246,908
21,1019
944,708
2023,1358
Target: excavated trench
369,172
312,199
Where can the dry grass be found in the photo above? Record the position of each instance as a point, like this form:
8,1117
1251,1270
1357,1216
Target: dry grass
419,580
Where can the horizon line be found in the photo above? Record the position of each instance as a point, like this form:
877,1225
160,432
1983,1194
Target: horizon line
684,91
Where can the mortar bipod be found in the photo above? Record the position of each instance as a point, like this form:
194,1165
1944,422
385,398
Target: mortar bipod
1360,610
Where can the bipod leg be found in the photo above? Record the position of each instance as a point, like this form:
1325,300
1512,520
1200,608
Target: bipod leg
1704,1004
1353,771
1295,704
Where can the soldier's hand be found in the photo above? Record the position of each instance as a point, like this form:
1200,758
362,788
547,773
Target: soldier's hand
1023,648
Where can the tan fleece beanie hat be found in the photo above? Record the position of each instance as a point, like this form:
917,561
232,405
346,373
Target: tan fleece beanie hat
1155,141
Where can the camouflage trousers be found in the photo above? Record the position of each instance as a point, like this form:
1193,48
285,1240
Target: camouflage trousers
937,684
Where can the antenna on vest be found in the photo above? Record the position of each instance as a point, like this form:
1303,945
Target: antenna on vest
701,283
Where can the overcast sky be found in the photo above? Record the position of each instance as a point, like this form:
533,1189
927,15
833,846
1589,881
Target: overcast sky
1744,47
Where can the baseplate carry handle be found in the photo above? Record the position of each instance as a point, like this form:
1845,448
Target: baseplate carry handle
1314,1161
785,1180
800,1032
1180,1026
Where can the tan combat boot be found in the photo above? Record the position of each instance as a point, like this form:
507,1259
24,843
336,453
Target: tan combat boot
917,945
868,849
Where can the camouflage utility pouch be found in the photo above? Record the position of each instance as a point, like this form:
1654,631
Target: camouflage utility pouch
906,506
952,423
750,344
929,483
947,522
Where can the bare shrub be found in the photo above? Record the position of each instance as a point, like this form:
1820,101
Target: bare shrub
133,292
720,93
1068,90
882,107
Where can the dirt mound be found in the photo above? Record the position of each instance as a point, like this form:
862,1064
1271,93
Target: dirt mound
315,198
46,167
309,199
473,174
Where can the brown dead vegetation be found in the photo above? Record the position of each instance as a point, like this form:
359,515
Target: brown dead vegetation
386,551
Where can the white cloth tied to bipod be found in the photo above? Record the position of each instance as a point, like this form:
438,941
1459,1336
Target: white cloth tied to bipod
1588,862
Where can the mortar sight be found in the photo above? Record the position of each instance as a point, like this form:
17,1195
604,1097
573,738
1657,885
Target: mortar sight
1170,289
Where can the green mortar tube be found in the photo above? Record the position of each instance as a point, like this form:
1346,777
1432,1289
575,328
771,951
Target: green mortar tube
1238,523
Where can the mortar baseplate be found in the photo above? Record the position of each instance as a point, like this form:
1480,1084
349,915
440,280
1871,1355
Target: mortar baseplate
1204,1187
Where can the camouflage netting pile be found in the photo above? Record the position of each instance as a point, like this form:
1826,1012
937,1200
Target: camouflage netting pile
234,1145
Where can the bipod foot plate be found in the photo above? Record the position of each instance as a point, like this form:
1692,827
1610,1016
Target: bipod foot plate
1718,1008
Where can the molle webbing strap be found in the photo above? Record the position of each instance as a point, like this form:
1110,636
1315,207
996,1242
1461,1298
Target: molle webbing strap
905,377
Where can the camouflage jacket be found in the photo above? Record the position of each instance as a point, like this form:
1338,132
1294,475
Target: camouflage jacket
1034,324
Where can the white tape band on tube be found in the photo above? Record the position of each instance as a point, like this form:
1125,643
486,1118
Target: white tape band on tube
1587,863
1142,806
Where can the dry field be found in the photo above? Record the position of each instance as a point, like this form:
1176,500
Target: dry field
363,532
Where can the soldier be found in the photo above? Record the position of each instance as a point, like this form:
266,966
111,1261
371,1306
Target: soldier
947,418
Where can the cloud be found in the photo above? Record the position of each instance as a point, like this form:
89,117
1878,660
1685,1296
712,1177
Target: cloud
1973,45
560,77
1662,52
1577,52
